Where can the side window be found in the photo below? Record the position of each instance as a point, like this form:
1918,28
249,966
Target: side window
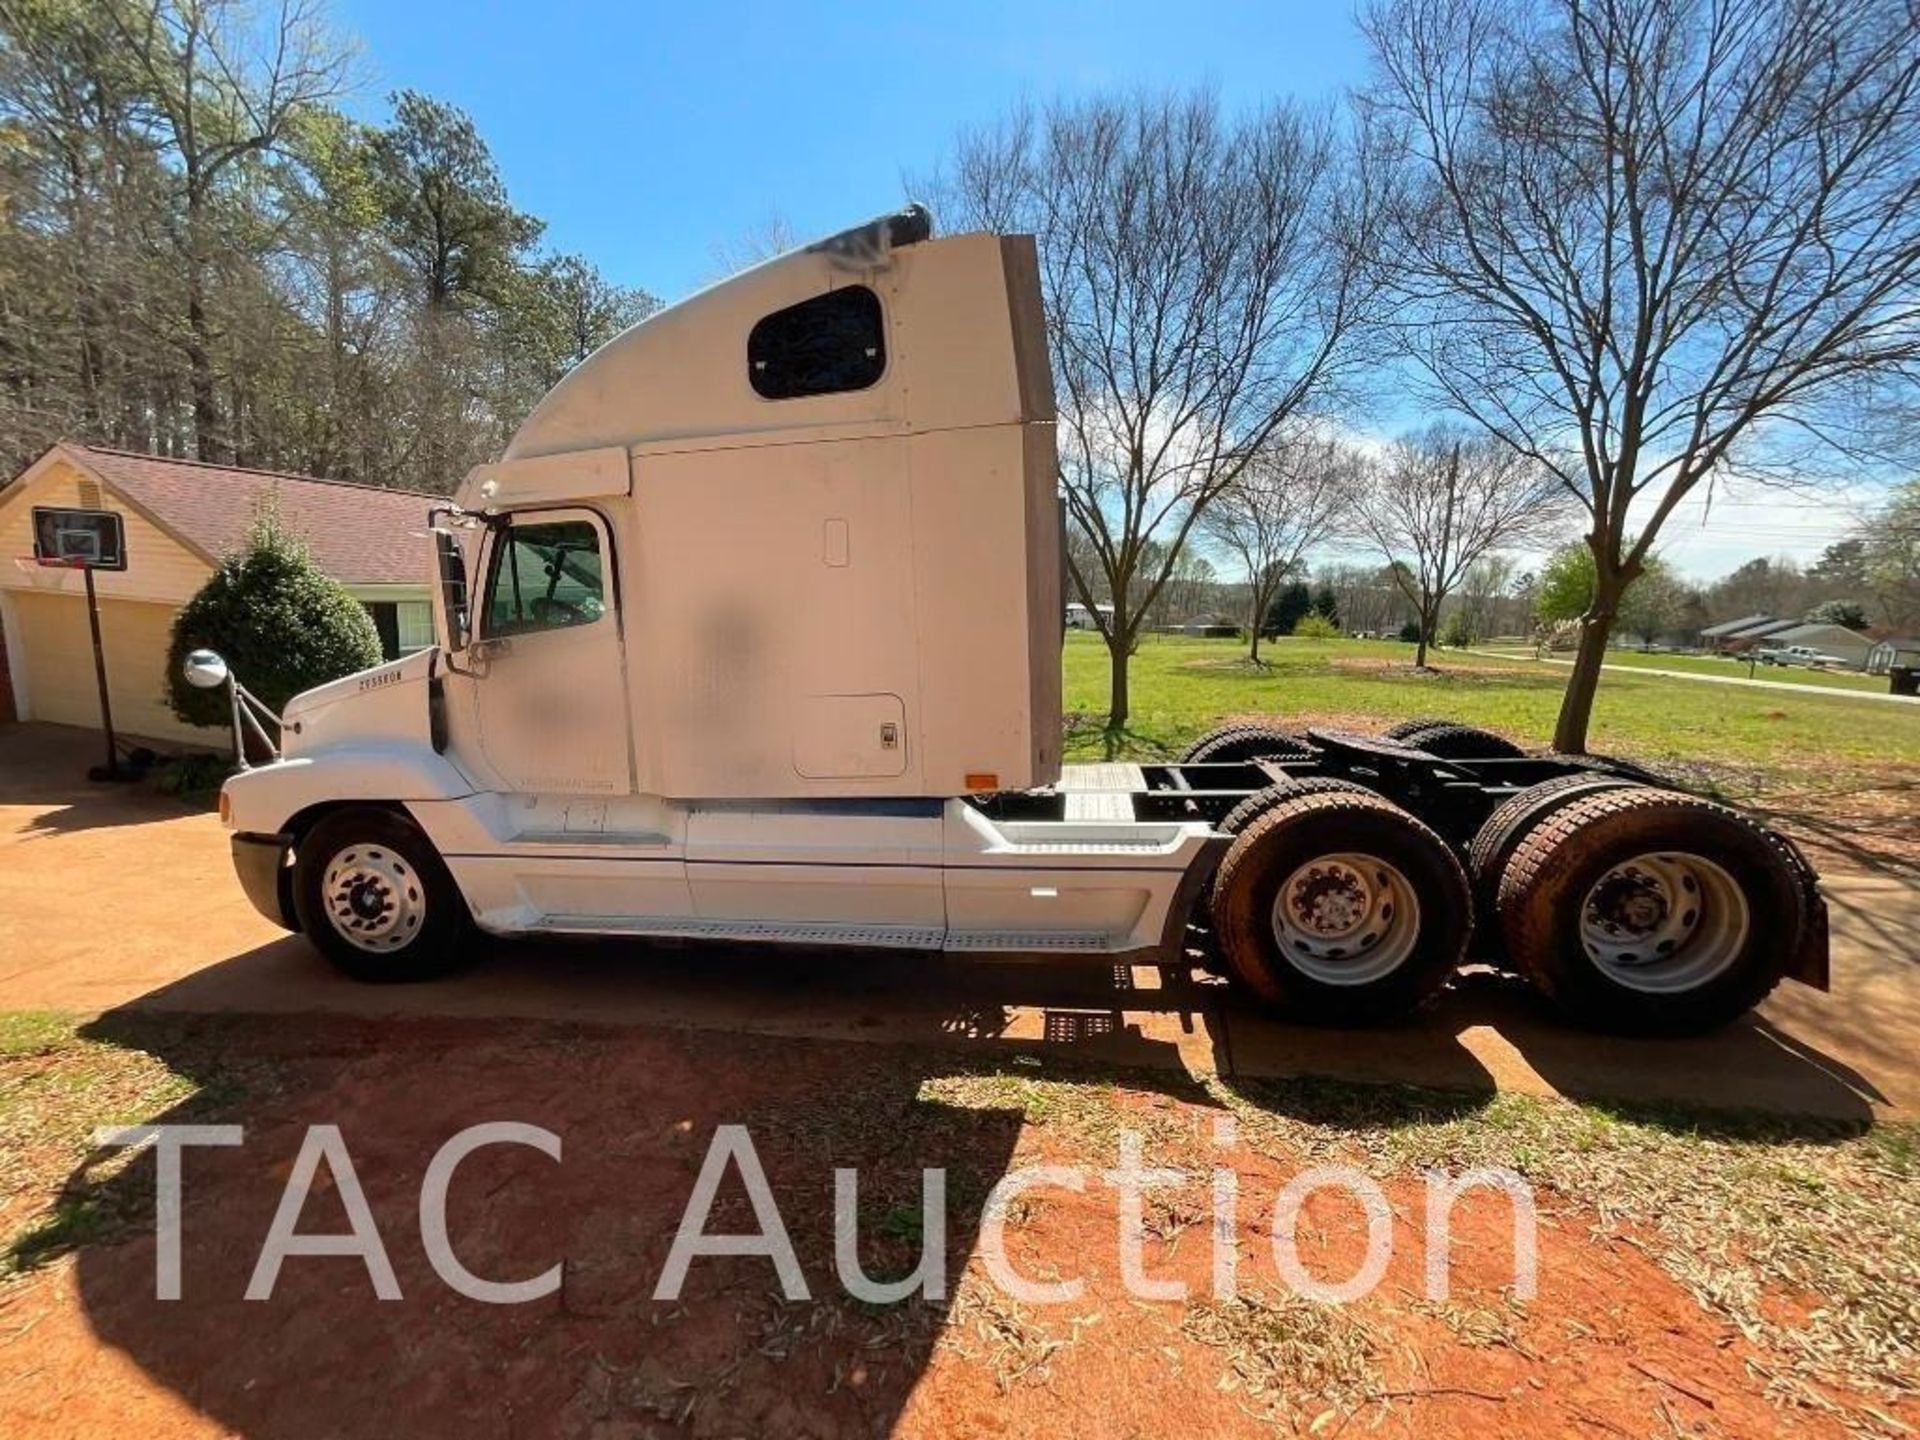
831,343
413,625
546,576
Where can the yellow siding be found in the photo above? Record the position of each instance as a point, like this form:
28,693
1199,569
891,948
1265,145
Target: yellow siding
158,566
58,663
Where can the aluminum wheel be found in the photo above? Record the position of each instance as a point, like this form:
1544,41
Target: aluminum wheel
374,899
1346,919
1664,923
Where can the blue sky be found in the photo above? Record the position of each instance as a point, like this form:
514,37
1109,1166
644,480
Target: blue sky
648,136
645,134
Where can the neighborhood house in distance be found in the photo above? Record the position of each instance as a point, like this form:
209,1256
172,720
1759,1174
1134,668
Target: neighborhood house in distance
1766,634
181,518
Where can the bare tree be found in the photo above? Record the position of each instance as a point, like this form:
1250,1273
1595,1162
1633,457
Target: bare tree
1442,501
1642,240
1204,282
1292,497
1189,590
1482,588
1365,595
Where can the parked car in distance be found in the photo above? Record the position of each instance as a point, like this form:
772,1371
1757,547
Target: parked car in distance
1799,655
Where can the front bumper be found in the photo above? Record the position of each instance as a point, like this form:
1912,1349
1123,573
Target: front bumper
261,863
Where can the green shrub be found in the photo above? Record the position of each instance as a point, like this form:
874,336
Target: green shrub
1456,632
282,626
192,777
1315,626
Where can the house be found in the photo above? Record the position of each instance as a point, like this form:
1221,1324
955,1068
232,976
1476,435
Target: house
1736,636
181,517
1729,627
1079,617
1835,640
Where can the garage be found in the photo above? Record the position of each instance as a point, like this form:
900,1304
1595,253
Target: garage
57,665
179,517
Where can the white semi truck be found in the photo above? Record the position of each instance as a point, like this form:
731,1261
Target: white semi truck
753,634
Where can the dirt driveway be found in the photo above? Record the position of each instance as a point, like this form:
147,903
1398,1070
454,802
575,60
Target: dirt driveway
116,897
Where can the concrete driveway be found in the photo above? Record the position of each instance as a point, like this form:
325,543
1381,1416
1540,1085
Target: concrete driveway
113,896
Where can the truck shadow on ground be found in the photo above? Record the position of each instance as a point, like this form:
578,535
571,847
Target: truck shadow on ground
635,1110
1486,1032
636,1102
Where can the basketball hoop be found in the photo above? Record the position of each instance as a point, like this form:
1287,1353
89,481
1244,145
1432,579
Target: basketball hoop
83,540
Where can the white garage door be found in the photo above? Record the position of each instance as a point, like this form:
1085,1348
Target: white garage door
57,661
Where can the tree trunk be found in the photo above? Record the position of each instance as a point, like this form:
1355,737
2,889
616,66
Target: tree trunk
206,408
1426,638
1576,706
1118,655
1254,653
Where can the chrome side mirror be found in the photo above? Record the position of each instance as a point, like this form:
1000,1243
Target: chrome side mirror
204,670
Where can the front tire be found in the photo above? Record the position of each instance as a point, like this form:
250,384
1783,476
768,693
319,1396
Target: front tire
1340,908
375,898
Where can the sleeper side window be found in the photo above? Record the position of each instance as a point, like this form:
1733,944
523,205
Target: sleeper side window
546,576
832,343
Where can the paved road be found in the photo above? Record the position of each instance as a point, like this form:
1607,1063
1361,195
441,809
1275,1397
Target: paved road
1796,688
114,897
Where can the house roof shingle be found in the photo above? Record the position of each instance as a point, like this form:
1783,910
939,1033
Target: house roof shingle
1734,627
1767,631
359,534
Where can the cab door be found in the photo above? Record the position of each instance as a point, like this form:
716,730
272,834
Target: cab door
551,698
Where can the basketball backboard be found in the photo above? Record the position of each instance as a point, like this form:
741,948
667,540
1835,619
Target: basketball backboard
89,539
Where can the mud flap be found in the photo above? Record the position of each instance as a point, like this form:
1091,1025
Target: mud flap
1172,949
1813,961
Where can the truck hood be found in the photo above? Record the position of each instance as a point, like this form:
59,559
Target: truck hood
388,702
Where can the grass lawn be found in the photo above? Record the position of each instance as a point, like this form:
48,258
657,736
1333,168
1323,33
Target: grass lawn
1183,687
1838,771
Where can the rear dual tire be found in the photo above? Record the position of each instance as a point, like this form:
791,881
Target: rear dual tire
1336,906
1234,744
1646,911
1453,742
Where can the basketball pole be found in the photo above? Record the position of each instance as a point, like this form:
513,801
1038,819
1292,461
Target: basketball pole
100,676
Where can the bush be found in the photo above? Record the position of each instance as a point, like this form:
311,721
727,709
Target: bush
1315,627
1288,606
1457,632
192,777
282,626
1410,632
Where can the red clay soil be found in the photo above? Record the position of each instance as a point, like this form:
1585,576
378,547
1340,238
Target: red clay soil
1611,1346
